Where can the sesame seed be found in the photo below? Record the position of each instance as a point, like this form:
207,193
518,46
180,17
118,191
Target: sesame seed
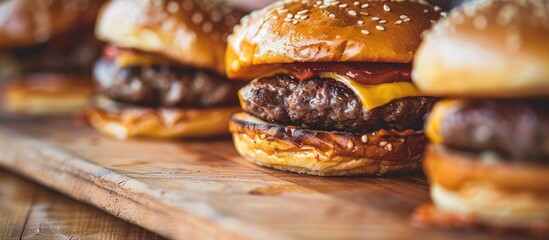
197,18
356,3
295,21
459,18
480,22
343,5
398,22
425,10
364,14
303,12
364,137
383,21
406,20
323,7
281,11
437,8
386,8
304,17
207,27
506,14
360,22
365,32
263,136
352,13
383,143
375,18
289,15
403,16
287,20
390,147
173,7
297,16
380,28
318,2
365,5
350,145
332,15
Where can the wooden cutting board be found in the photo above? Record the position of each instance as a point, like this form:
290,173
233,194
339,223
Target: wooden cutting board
205,190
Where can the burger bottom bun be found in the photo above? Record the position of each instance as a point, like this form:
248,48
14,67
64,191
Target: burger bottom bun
47,94
429,216
487,197
324,153
136,121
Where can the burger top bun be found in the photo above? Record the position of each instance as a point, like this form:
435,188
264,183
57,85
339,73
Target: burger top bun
24,23
327,31
192,32
487,48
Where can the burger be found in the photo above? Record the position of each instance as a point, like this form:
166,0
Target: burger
488,164
47,50
162,72
331,93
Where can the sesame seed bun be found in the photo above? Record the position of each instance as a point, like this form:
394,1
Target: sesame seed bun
191,32
26,23
324,153
495,193
334,31
488,48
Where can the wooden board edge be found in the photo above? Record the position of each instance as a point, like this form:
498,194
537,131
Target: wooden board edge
65,174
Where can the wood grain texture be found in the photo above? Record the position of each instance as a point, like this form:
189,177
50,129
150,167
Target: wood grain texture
29,211
205,190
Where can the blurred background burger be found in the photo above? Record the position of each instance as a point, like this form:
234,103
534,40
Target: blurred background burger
162,73
47,50
332,91
488,163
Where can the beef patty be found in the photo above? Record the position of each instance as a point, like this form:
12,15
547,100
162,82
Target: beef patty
325,104
72,53
516,130
164,85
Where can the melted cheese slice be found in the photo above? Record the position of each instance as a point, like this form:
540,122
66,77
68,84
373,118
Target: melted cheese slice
372,96
432,127
240,99
131,59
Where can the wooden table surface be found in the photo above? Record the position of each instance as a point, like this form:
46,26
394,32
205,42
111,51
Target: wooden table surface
197,190
31,211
